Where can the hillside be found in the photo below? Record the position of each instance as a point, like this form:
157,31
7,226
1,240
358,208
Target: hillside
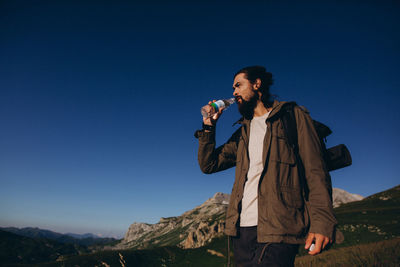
19,249
171,256
34,245
192,229
375,218
382,253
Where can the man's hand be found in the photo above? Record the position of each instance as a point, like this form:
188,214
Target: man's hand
213,119
320,242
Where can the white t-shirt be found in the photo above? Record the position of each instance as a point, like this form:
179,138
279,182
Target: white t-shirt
249,213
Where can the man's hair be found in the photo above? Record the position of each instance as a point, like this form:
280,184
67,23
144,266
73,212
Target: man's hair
259,72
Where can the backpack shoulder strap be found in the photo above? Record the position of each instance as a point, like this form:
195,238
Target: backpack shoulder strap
289,125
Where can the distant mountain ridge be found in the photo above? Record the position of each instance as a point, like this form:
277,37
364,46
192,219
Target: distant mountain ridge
33,232
20,249
82,236
196,227
81,239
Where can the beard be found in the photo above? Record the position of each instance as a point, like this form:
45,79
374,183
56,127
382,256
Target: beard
246,108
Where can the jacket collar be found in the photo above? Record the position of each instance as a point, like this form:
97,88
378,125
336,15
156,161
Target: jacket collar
276,107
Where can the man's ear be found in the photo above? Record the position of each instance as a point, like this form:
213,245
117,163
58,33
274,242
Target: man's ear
257,84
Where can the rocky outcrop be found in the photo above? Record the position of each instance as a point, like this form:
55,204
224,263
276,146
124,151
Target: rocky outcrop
203,234
137,230
192,229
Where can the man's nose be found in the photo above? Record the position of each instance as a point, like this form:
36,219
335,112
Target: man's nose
235,93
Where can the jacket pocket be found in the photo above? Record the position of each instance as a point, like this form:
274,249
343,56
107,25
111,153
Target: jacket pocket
281,151
291,197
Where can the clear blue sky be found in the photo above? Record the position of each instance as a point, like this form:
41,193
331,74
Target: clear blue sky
99,100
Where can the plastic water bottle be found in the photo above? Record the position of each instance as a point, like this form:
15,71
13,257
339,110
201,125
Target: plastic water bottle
209,110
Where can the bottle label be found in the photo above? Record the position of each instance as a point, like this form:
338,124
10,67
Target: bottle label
218,105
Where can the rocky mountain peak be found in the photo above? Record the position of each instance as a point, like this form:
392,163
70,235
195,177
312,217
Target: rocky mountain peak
341,196
218,198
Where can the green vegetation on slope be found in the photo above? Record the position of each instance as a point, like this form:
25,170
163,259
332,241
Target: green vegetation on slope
19,249
162,256
372,219
384,253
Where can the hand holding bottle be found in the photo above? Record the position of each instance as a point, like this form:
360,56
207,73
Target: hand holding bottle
211,120
213,110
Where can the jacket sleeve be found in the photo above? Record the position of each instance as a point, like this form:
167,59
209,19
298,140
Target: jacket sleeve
213,159
322,218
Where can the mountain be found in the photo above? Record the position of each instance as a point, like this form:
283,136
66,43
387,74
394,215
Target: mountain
341,196
25,250
37,233
82,236
33,232
33,245
192,229
196,227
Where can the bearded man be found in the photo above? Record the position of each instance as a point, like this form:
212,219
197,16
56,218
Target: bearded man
269,214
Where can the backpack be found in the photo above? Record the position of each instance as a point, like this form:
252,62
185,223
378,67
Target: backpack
336,157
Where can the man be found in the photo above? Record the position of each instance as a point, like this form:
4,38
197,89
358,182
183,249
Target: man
269,213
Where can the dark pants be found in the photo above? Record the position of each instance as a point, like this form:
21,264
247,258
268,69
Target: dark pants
250,253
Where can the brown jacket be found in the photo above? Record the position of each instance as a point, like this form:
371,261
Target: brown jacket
283,213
